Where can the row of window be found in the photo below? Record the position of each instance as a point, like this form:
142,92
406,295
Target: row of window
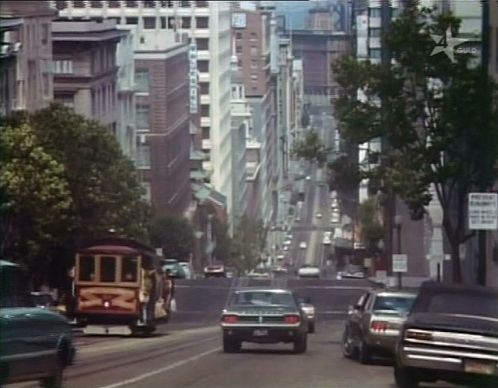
62,4
163,22
142,83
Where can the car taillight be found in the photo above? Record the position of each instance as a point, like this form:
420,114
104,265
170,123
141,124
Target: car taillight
230,319
379,326
420,335
292,319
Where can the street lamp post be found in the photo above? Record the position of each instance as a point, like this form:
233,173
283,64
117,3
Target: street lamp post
398,224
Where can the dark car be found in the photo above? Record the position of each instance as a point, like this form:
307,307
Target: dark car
374,323
263,316
35,343
451,334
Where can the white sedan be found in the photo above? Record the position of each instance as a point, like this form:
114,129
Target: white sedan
303,245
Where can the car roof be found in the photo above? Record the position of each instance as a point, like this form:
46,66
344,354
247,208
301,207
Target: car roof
260,289
454,287
387,293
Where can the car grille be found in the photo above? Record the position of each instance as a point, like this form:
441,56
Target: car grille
260,319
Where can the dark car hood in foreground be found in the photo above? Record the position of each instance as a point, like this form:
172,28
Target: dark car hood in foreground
261,310
454,322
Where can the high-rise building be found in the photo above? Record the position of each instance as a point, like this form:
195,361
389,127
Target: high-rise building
252,30
34,83
208,24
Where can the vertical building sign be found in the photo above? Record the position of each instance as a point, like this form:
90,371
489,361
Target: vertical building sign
193,77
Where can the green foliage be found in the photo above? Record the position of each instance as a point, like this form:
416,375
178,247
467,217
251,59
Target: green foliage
345,175
437,118
247,243
174,235
371,228
64,179
311,148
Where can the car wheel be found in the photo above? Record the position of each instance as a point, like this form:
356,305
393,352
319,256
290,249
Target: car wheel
348,349
311,327
364,353
405,377
231,346
300,344
54,381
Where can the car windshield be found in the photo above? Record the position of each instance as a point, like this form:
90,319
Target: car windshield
262,298
402,304
478,305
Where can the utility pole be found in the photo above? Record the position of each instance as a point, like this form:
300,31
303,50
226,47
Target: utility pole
481,234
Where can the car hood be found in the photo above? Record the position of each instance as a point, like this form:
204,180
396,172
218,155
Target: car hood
454,322
31,312
261,310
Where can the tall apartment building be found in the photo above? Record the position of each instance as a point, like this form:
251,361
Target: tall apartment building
85,69
208,24
10,46
253,42
241,127
34,84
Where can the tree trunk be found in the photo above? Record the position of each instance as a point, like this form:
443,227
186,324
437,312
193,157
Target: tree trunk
456,267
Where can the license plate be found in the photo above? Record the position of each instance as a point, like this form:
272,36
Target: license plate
479,367
260,333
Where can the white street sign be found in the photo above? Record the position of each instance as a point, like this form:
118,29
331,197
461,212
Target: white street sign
381,276
400,263
483,211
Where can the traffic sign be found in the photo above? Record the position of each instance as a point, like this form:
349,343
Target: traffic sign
483,211
400,263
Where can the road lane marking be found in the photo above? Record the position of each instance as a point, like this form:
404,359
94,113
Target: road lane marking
162,370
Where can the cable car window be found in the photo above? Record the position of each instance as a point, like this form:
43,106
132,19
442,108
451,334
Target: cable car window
87,268
129,269
108,269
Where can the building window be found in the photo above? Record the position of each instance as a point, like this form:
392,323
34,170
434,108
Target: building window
202,22
149,4
201,4
142,113
79,4
185,4
202,44
238,35
204,88
131,4
374,12
203,66
374,32
206,133
149,23
44,33
113,4
64,66
238,49
163,22
166,4
60,5
186,22
96,4
142,81
375,53
116,20
132,20
205,110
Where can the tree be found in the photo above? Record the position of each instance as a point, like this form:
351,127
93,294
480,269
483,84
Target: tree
247,243
174,235
65,180
311,148
37,198
371,229
437,118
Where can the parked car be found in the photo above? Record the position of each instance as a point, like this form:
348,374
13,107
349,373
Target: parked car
214,271
35,343
188,270
309,311
451,334
174,268
303,245
374,323
264,316
308,271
